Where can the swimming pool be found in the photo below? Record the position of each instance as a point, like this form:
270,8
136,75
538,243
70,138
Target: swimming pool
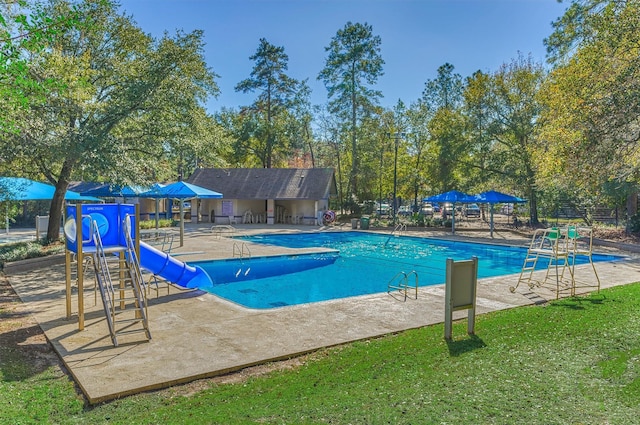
362,263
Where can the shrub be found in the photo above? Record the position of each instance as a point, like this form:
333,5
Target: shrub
151,224
24,250
634,223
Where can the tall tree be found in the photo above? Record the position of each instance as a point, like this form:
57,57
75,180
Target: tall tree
477,111
442,97
124,101
445,91
276,92
515,111
419,139
23,33
593,129
352,67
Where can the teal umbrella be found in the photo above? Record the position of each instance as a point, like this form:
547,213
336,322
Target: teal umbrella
22,189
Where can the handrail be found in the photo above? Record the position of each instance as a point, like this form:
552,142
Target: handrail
415,281
400,227
400,286
104,279
240,250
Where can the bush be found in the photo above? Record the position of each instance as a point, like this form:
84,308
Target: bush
151,224
24,250
634,223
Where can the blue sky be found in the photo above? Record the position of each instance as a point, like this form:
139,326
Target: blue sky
418,36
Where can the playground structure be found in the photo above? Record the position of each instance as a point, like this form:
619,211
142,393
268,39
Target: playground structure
106,236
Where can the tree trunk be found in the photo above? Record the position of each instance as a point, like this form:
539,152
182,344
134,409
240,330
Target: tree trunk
55,214
57,203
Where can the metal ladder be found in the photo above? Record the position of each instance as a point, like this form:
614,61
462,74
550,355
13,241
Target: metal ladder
397,231
125,304
400,282
239,250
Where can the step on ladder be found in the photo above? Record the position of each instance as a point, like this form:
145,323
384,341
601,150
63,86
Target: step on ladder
125,303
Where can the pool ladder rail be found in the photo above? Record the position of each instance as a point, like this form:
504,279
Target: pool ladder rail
401,283
241,251
399,229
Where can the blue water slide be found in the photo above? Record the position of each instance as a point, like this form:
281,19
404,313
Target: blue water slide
175,271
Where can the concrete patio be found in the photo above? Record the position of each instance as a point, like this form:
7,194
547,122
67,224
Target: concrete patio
198,335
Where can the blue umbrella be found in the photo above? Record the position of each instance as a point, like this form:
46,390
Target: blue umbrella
22,189
180,190
452,196
106,190
493,197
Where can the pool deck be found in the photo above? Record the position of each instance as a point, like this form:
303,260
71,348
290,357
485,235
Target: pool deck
198,335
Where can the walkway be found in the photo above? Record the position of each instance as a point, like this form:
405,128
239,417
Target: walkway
197,335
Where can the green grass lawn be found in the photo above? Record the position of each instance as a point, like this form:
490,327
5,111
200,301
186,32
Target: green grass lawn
574,361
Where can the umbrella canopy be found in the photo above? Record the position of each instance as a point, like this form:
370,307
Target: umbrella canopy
182,191
451,196
106,190
494,197
21,189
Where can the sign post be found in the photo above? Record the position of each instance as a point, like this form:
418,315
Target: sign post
460,292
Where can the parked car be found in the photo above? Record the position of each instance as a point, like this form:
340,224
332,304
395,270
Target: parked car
383,209
447,209
507,209
472,210
404,210
426,210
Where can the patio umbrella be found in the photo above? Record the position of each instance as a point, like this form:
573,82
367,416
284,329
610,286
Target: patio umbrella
452,196
492,197
106,190
22,189
181,191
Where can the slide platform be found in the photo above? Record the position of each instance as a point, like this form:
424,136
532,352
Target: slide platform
175,271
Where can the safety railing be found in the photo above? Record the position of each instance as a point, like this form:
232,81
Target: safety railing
402,283
241,250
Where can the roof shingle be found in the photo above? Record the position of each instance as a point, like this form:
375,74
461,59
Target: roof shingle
267,183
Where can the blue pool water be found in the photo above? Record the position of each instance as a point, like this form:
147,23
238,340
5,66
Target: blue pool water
362,263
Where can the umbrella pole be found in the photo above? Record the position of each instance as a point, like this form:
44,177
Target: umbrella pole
157,213
6,217
491,219
181,222
453,218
